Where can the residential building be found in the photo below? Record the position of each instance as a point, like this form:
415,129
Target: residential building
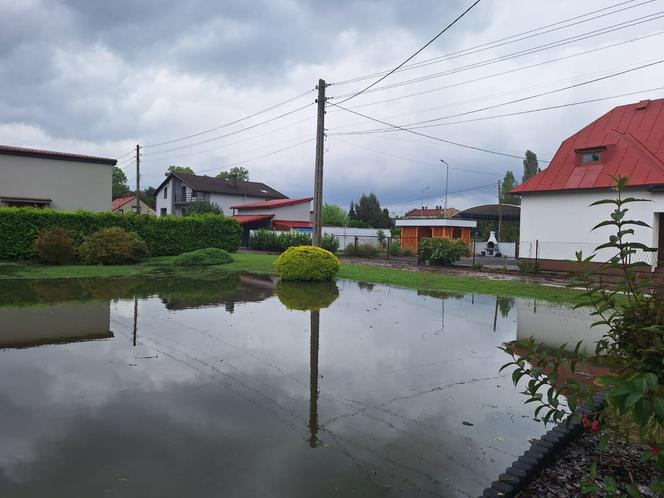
556,217
275,214
59,180
426,212
178,190
128,205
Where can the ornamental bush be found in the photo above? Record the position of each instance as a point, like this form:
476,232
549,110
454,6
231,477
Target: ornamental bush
113,246
55,246
203,257
307,296
442,252
307,263
164,235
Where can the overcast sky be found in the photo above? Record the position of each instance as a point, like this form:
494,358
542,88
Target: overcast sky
99,77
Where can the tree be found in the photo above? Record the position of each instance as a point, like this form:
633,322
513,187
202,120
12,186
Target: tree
120,184
369,211
203,207
185,170
241,172
334,215
530,165
352,214
508,183
147,196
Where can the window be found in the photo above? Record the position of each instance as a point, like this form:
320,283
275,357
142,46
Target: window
591,157
165,192
162,212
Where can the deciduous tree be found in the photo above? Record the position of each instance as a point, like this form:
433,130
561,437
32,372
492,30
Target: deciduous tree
241,172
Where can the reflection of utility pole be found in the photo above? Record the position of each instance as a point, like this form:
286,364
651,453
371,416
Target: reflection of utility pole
135,320
443,316
495,315
313,378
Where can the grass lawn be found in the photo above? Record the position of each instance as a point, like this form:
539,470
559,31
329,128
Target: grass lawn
262,263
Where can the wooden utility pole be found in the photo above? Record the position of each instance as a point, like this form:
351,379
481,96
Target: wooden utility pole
138,179
500,213
447,177
318,177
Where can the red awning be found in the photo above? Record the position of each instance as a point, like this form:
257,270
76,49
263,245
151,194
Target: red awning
250,218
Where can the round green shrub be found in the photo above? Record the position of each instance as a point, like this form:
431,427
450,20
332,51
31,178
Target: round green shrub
113,246
307,263
441,251
203,257
307,296
55,246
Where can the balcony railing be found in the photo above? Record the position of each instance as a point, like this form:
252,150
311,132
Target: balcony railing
191,197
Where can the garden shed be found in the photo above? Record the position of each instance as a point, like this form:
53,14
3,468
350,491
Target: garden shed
412,230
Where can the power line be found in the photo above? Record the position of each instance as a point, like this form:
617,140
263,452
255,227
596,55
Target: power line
497,43
517,113
161,156
530,97
230,123
125,154
414,54
412,159
244,161
458,144
510,71
529,51
493,185
283,115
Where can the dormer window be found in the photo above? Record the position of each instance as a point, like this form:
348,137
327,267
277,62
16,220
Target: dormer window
592,155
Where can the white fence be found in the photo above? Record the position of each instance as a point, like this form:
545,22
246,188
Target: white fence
346,236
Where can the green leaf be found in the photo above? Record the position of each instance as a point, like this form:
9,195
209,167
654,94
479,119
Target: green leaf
610,484
658,403
603,440
633,491
632,399
642,411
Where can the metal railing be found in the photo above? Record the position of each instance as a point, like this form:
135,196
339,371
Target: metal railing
191,197
566,251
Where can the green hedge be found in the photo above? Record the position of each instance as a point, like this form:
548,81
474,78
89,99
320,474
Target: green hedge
165,236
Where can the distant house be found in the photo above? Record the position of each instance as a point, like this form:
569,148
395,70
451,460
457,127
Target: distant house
556,219
437,212
275,214
59,180
179,190
128,205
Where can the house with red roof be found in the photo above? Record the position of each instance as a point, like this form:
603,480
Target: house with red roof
556,217
128,205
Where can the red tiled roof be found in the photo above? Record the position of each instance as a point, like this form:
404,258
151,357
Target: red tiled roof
273,203
10,150
250,218
287,224
631,139
118,203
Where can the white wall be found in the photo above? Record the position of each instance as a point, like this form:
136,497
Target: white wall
71,185
562,222
165,202
293,212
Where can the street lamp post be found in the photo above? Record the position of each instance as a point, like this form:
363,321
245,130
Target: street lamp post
447,177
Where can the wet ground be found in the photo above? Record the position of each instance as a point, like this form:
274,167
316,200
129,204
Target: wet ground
240,388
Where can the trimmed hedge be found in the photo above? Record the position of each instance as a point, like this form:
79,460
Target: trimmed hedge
307,263
269,240
165,236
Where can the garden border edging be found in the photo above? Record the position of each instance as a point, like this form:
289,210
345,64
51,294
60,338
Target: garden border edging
541,453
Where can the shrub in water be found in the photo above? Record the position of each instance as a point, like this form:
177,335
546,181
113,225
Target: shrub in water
442,251
113,246
307,296
55,246
203,257
307,263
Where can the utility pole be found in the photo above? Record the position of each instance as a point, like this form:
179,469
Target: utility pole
318,177
447,177
138,179
500,213
424,190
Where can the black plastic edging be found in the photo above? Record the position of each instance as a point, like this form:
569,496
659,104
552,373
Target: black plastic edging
541,453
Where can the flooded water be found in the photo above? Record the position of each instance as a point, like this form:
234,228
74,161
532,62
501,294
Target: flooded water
240,388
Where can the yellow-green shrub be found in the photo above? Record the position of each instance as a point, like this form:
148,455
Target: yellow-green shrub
307,263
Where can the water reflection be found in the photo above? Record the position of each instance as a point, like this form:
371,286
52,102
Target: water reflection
247,388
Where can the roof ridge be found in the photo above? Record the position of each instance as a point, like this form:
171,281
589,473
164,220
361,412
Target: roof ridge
639,147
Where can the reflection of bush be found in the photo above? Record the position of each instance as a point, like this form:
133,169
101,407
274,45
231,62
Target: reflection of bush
307,296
